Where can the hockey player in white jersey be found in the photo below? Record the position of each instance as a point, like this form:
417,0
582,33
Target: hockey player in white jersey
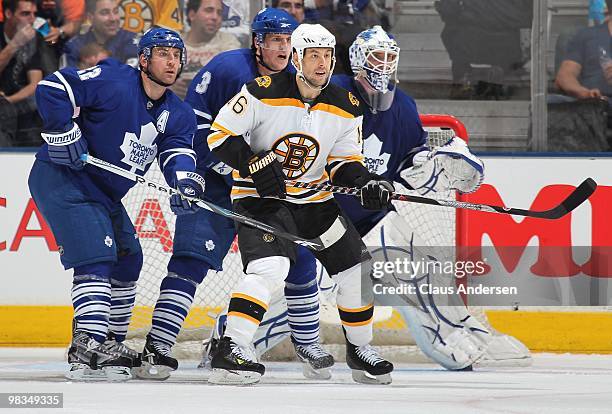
296,126
395,148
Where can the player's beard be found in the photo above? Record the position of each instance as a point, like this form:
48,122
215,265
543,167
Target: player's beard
316,82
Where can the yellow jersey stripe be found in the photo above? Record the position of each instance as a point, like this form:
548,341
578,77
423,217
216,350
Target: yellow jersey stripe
283,102
332,109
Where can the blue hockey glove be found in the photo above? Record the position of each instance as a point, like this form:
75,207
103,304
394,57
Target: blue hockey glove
191,185
66,148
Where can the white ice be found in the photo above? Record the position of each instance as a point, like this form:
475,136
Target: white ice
573,384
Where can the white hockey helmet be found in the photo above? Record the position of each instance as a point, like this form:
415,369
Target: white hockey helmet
374,56
312,35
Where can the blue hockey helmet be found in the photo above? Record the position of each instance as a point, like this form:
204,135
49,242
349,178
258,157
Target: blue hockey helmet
158,36
270,20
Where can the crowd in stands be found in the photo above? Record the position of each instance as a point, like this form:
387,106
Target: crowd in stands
41,36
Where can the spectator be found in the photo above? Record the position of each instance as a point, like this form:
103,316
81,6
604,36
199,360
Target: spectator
20,72
586,70
293,7
91,54
204,40
64,21
105,30
64,17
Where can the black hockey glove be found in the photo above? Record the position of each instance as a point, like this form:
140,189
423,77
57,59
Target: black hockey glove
376,193
267,173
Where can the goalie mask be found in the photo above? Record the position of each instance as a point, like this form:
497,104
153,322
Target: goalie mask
374,56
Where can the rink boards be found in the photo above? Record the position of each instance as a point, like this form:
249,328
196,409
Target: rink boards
35,304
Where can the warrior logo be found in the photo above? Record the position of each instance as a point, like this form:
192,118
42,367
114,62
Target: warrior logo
297,152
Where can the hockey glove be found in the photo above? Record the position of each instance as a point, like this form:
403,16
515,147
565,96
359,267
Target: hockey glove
449,167
376,193
267,174
66,148
191,185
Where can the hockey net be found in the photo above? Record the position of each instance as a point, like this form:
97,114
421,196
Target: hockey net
154,223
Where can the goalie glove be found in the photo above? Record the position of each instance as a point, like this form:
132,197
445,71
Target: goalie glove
267,174
66,148
449,167
188,184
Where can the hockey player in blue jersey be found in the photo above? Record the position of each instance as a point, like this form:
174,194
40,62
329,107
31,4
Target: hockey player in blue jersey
395,147
127,117
214,85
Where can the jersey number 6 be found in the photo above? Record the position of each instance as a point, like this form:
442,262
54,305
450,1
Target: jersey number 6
240,105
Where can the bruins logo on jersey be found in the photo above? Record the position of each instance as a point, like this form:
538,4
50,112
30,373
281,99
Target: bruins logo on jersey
264,81
298,152
353,100
138,16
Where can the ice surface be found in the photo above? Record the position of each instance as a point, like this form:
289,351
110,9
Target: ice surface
573,384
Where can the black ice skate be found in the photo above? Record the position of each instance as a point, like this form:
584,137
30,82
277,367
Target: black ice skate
317,361
91,360
156,361
367,365
120,349
233,364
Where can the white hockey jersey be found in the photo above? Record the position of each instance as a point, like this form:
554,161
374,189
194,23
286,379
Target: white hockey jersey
311,141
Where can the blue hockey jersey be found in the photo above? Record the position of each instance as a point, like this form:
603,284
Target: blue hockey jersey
389,138
120,123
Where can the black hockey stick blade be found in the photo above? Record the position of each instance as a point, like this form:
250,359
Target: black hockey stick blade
577,197
313,244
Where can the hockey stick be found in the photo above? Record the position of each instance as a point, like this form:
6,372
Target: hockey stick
577,197
314,244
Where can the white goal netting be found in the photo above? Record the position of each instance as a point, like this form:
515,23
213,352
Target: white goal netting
155,225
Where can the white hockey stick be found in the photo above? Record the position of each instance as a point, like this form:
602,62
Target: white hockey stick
314,244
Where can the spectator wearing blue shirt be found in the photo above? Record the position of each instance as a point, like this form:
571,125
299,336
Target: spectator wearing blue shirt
586,71
106,31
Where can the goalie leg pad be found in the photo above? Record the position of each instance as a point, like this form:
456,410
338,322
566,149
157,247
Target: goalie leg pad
505,351
454,347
